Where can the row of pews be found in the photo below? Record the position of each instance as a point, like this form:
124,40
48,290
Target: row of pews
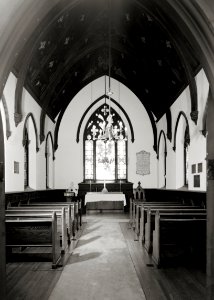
50,226
171,232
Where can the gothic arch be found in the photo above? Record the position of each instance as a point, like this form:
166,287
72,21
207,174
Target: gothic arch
49,161
96,101
161,156
162,133
181,113
8,131
154,128
30,115
52,143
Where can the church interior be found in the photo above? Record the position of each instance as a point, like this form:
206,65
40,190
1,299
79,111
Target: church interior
107,149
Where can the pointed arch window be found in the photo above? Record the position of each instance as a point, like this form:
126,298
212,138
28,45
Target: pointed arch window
49,158
26,159
186,156
162,152
105,146
47,154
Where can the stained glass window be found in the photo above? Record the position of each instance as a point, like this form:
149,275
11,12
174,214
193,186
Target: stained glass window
105,160
26,160
105,142
47,164
89,159
121,159
186,165
186,156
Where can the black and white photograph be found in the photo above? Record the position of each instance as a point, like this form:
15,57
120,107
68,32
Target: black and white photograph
107,149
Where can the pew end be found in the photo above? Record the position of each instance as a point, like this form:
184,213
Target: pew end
178,241
32,234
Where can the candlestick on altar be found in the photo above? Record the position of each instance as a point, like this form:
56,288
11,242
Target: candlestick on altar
104,190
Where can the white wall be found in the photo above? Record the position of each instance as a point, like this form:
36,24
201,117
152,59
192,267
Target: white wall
3,119
72,168
14,150
13,147
69,156
197,148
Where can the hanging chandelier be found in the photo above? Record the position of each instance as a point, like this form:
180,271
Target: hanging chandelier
108,129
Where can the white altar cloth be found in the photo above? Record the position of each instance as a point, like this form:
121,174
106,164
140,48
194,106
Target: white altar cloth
110,196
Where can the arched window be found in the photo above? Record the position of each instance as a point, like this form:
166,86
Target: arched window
49,157
181,146
186,156
26,159
105,146
162,160
30,144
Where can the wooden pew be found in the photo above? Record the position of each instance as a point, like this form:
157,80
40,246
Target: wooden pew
171,213
77,207
141,211
27,213
34,232
175,239
132,211
76,214
57,209
135,202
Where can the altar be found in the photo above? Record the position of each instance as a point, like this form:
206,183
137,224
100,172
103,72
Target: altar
124,187
107,202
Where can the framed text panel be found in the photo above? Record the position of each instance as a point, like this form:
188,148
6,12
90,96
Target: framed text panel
194,169
143,163
200,168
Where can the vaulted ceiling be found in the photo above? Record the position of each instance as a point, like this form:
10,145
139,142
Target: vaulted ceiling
70,48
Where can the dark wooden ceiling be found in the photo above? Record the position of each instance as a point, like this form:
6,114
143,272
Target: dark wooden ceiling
70,48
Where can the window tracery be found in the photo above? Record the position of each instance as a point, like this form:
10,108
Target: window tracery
105,146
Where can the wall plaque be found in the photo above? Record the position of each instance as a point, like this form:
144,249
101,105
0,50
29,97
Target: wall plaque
196,180
16,167
193,169
143,163
200,169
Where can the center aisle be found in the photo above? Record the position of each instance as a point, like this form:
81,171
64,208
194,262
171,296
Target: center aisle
100,267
